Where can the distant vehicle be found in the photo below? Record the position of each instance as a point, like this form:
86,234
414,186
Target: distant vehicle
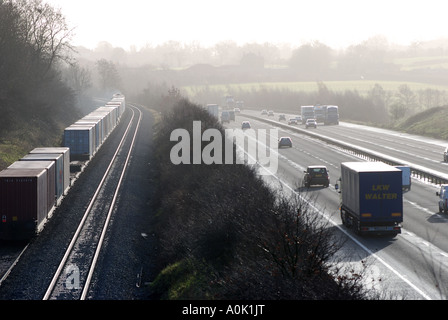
299,119
240,104
311,123
443,198
237,110
316,175
331,115
406,177
225,117
245,125
228,101
445,155
371,197
281,117
292,121
285,142
232,115
270,113
264,111
319,113
307,112
213,109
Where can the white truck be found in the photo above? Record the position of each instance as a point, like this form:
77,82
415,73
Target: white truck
406,176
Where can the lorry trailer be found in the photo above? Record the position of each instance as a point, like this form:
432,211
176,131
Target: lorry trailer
371,197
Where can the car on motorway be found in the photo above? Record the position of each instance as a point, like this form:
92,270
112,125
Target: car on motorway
292,121
445,155
443,198
316,175
264,112
270,113
281,117
236,110
245,125
285,142
311,123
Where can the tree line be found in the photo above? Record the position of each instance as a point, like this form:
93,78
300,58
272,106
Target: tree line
34,40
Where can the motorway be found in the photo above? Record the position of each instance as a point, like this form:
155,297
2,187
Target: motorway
411,266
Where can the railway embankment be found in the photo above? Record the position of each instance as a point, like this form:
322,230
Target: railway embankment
222,233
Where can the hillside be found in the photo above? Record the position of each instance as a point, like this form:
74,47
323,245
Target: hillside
430,123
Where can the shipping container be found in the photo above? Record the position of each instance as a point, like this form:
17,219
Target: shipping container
80,140
51,177
98,127
58,160
23,202
65,171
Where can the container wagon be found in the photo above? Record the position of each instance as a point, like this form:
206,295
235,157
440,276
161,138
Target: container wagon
51,181
58,160
80,140
23,203
98,128
65,152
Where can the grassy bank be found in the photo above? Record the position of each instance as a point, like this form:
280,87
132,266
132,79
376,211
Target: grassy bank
224,234
429,123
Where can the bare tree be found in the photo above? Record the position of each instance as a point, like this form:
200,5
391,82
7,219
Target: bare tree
45,30
109,77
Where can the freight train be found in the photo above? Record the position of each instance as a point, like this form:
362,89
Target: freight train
31,188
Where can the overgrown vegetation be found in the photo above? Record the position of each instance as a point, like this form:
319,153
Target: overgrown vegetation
429,123
34,101
224,234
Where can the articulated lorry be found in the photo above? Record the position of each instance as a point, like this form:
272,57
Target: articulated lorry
307,112
331,115
371,197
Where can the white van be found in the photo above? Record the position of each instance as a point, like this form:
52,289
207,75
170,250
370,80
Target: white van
443,198
406,176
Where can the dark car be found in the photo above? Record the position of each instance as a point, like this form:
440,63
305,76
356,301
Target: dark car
285,142
245,125
316,175
281,117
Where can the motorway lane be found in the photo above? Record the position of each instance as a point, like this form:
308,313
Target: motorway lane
422,151
410,266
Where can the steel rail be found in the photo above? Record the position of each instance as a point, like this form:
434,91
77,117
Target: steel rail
109,214
84,218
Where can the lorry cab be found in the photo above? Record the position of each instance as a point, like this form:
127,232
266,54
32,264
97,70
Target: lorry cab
443,198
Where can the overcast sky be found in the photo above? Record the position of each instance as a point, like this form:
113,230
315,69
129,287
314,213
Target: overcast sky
336,23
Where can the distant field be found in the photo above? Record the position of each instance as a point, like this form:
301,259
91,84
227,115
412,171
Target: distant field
432,62
362,86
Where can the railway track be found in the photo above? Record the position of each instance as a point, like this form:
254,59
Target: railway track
73,277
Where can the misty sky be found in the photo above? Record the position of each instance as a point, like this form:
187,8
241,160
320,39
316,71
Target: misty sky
336,23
